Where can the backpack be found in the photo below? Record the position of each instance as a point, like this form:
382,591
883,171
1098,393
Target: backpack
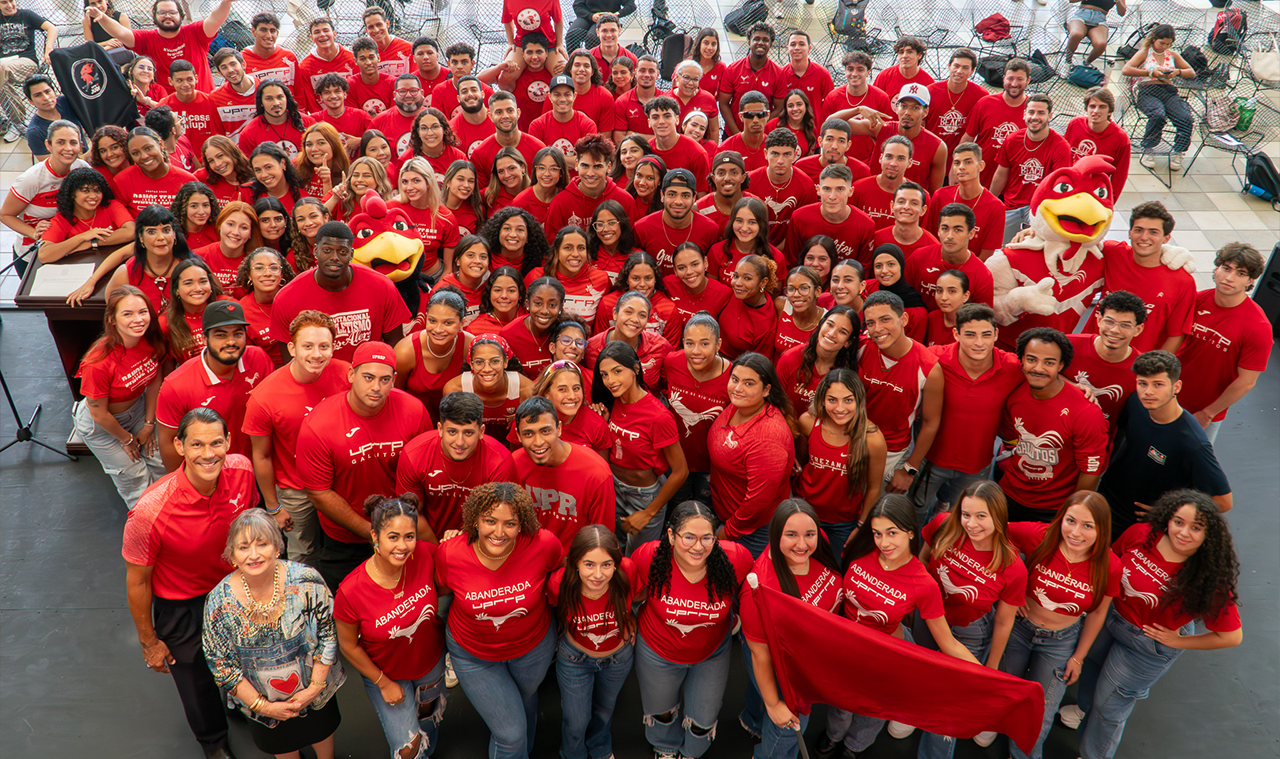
234,34
1229,28
1196,59
850,17
673,52
1041,70
1085,77
662,28
1262,179
740,19
993,28
991,69
1131,45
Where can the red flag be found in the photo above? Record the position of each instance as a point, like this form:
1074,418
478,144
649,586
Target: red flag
890,678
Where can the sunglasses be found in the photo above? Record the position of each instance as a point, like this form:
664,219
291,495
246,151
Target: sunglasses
753,114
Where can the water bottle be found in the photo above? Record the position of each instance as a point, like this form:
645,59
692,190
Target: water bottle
1254,189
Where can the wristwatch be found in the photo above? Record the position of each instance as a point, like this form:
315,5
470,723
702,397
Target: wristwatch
93,243
908,468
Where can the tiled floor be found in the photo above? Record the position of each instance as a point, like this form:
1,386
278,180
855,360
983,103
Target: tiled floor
1207,204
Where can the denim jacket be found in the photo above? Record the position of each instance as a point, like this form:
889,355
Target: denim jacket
275,657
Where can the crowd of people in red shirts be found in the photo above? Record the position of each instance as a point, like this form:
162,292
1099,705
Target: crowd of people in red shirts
634,363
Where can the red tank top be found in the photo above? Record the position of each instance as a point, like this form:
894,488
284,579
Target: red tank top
823,481
426,386
498,418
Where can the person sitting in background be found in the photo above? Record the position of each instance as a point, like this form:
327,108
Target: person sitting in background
1090,20
1152,71
49,107
19,59
94,31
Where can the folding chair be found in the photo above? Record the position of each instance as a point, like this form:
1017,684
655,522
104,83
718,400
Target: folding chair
1240,143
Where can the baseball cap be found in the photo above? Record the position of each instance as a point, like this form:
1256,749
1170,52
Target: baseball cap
680,178
729,156
222,313
374,351
917,92
561,80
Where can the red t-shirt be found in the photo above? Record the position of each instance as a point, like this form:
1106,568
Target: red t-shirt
1027,166
812,166
988,228
442,484
1053,442
259,316
277,406
282,64
202,117
852,236
286,135
356,456
949,113
372,98
969,588
751,466
924,148
925,265
471,136
1169,295
312,69
660,241
779,123
724,256
824,482
1112,384
511,598
683,607
782,201
562,135
894,389
532,16
968,428
861,146
697,404
397,127
1060,586
1113,143
483,155
820,588
444,98
991,122
570,496
713,298
137,190
572,206
815,83
791,335
111,216
687,154
1144,582
223,190
587,428
640,431
366,310
739,79
885,236
892,80
224,268
1221,342
607,65
937,332
598,106
664,320
868,196
533,353
593,625
388,619
121,375
353,121
192,384
880,599
653,348
702,101
746,328
532,90
235,110
436,233
755,159
189,44
397,58
711,79
801,393
181,534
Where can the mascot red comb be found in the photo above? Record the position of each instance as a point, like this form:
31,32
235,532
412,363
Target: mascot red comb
387,242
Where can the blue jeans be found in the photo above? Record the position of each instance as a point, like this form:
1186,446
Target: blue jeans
1014,220
589,688
857,731
403,722
935,488
976,637
505,693
1034,653
775,742
1121,668
1162,103
631,499
665,684
838,533
755,542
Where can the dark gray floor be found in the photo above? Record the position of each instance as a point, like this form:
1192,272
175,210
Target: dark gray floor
72,680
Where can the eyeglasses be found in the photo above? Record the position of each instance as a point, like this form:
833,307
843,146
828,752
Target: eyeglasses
271,269
688,540
688,78
430,127
753,114
413,91
479,362
800,290
1110,323
605,224
576,342
169,13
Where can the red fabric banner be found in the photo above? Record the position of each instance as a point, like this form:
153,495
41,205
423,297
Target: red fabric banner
890,678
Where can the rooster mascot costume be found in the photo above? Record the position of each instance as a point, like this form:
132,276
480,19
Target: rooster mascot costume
387,243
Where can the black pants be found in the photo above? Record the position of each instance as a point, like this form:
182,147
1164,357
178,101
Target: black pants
336,560
582,33
178,624
1021,513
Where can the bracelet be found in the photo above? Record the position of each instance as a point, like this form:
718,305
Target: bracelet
1077,661
380,674
128,442
149,423
257,703
273,513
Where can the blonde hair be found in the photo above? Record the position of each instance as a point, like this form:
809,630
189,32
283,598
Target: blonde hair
419,165
380,181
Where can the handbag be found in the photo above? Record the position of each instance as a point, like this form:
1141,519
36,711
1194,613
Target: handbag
1265,64
1221,114
991,69
1085,77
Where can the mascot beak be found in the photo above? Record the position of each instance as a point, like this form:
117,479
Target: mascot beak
391,254
1077,218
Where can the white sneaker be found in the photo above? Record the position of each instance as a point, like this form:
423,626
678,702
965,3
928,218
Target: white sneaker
12,134
1071,716
1043,2
450,678
899,730
1148,160
985,738
1175,161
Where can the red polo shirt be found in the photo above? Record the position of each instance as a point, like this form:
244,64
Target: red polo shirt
193,384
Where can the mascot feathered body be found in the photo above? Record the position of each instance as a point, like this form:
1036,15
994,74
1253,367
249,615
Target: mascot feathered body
387,242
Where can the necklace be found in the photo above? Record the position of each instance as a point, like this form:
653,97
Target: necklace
850,100
1024,143
427,340
955,100
258,608
776,187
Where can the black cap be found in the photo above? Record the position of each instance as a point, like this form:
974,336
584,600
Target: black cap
222,313
680,178
561,80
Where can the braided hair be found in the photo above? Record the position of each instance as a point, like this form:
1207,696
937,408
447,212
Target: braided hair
721,581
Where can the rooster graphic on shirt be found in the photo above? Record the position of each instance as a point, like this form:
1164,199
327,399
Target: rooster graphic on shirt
1150,599
1111,392
1037,454
499,621
969,592
424,615
691,418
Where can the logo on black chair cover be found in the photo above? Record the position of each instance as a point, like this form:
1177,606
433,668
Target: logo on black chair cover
90,78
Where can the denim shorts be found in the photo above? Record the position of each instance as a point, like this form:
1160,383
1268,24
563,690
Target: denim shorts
1090,16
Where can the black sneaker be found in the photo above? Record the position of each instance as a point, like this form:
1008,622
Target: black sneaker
825,746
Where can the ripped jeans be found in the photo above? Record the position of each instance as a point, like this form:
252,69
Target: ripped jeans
402,723
664,684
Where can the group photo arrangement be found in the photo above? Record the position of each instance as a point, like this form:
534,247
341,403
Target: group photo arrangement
725,378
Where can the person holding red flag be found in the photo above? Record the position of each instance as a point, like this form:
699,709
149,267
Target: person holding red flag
800,563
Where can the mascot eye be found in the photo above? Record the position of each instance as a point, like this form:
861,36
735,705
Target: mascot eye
1101,192
364,234
400,226
1062,187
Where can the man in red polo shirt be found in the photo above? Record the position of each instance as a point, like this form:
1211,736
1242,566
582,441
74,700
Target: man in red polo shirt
833,216
997,116
874,195
348,449
461,58
803,74
237,99
749,143
966,189
220,378
264,59
833,149
754,72
273,418
660,233
608,30
1095,133
396,123
570,484
783,188
1028,156
953,99
631,118
173,544
1057,438
198,109
327,57
370,89
505,112
170,41
442,466
951,251
977,377
578,203
394,54
364,304
857,93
